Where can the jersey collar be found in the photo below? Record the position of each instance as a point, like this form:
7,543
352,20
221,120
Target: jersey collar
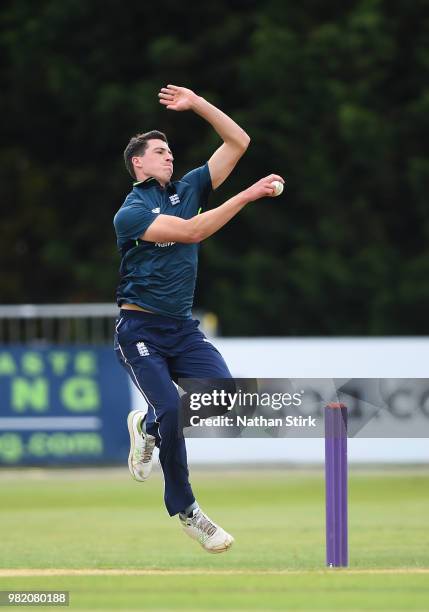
151,181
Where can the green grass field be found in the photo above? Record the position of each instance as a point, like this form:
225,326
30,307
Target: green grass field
109,541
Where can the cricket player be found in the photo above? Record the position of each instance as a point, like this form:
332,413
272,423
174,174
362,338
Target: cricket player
159,228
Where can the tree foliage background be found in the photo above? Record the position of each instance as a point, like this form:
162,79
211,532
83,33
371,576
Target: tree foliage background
335,96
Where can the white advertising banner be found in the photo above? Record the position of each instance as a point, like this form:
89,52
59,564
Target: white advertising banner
335,358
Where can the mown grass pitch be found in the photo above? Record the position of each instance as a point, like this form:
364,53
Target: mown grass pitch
98,521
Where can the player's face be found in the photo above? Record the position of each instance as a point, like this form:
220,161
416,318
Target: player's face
157,161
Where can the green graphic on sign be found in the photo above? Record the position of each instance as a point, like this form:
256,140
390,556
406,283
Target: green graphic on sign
62,405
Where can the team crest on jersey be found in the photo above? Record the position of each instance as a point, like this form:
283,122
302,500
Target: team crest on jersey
174,199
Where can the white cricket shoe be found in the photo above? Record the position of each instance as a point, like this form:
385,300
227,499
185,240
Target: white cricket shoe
212,538
141,447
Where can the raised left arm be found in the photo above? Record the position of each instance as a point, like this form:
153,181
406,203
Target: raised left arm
235,139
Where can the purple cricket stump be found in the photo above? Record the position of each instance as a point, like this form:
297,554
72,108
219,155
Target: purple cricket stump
336,485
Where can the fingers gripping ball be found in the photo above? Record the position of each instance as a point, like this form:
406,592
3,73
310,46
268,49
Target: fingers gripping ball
278,188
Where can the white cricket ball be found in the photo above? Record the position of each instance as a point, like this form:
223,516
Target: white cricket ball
278,187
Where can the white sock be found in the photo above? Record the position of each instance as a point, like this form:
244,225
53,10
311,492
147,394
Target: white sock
189,511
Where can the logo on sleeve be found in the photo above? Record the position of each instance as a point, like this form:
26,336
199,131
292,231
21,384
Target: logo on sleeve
156,210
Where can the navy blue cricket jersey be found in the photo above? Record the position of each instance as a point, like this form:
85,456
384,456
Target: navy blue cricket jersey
160,277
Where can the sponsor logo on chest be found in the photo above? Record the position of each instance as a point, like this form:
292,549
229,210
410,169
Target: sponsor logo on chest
174,199
164,244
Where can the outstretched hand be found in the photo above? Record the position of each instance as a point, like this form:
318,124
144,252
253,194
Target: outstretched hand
177,98
263,188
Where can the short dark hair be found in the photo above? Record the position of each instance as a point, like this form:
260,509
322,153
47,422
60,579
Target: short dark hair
138,145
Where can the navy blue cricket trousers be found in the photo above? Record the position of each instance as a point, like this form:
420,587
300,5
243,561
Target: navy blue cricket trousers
155,350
